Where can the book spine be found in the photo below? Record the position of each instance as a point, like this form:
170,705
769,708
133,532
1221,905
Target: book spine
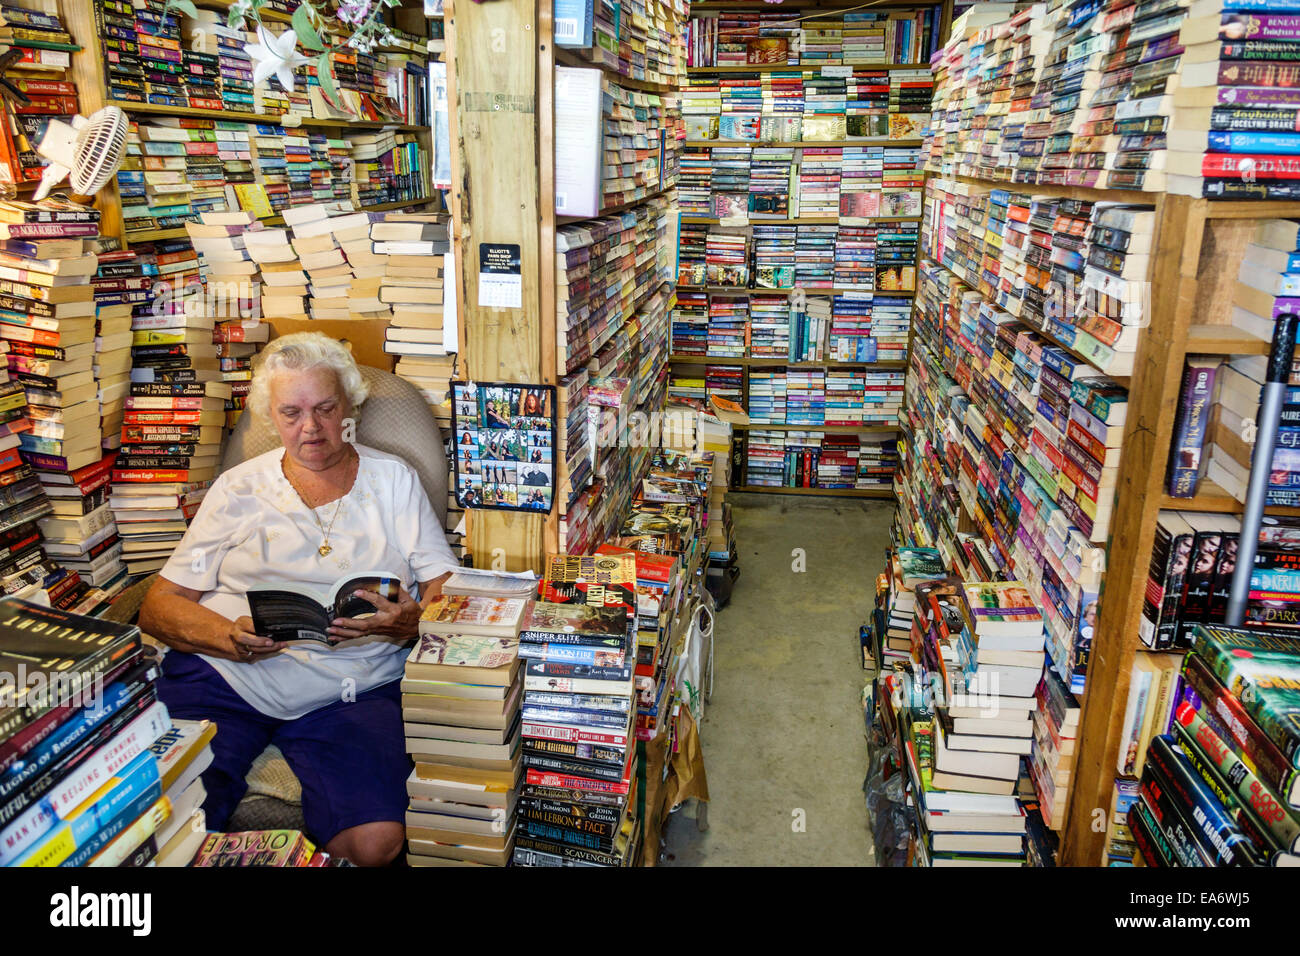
1219,766
1164,811
1226,717
573,734
129,840
1218,836
1151,841
1279,144
1254,119
1222,661
1262,49
129,744
578,855
603,831
564,835
570,782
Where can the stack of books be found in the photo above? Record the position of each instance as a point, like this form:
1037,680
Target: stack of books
176,410
589,256
460,707
82,785
578,646
414,250
1216,787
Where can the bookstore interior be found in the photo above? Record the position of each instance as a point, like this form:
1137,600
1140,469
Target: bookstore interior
832,311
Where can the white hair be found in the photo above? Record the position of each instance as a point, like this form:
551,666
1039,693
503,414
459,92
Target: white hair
299,352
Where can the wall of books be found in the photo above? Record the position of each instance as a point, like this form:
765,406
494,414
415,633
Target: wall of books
800,191
1076,319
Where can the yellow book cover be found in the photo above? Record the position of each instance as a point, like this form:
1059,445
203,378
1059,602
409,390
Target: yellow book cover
253,198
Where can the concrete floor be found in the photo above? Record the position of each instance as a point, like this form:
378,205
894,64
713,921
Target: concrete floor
783,734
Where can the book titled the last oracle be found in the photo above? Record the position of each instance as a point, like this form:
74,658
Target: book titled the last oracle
1002,607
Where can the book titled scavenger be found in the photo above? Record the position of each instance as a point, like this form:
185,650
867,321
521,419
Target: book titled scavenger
299,612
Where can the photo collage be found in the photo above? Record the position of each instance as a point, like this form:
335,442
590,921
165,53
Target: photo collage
505,443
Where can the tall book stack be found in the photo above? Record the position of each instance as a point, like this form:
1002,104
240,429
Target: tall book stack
1217,786
460,707
578,645
171,430
573,456
329,274
207,32
94,769
412,250
1238,85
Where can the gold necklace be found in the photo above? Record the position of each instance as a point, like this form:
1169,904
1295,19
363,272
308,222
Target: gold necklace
324,548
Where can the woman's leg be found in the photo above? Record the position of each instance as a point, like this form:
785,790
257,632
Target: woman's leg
351,759
193,690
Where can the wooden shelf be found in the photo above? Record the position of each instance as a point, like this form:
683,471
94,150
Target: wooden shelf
179,232
615,210
572,56
779,362
277,119
882,493
1225,339
800,143
826,429
805,5
745,290
1064,192
802,221
801,67
1210,497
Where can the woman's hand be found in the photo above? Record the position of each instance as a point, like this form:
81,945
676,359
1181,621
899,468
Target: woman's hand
399,619
243,644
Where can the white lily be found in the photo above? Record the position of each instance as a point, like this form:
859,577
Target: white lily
275,55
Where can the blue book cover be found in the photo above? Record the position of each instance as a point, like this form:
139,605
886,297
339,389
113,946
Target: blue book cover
1276,144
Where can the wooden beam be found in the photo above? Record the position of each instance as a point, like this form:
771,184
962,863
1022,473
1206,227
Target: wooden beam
92,93
497,198
1148,431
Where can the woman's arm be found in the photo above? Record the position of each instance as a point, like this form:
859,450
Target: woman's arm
172,613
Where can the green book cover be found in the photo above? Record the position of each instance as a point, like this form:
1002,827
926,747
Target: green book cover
1262,669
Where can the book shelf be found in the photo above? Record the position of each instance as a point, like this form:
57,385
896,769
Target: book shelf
1196,241
807,69
89,73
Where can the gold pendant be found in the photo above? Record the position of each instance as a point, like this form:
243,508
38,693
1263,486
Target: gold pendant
324,549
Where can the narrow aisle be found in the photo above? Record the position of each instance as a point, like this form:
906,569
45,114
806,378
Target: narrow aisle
783,736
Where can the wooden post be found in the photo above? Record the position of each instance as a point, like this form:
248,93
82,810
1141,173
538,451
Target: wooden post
499,202
1148,431
92,93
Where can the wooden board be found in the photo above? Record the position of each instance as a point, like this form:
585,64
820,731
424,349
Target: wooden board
364,337
1148,431
496,199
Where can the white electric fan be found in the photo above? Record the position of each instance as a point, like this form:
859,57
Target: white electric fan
88,151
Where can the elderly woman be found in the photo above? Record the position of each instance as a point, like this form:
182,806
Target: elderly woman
310,512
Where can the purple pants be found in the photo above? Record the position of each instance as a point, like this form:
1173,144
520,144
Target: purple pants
349,755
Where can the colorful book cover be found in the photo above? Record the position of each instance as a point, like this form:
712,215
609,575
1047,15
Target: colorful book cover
1262,669
1195,404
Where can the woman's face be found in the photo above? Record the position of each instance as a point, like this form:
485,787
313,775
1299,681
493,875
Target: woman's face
309,410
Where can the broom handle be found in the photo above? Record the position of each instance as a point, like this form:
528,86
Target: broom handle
1272,398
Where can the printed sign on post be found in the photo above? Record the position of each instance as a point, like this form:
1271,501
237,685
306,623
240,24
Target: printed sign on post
500,278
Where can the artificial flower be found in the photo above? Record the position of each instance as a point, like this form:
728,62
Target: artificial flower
275,55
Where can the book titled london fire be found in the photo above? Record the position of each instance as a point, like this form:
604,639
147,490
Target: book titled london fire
299,612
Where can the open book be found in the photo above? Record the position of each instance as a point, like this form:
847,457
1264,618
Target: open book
300,612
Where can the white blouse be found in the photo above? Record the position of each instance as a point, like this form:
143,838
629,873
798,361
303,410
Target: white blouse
253,528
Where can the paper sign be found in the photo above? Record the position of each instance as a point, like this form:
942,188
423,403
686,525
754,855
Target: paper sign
500,278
